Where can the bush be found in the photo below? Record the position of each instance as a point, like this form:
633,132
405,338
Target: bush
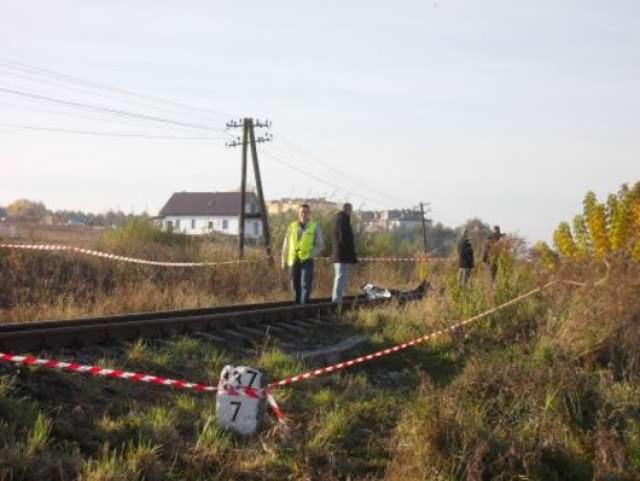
140,235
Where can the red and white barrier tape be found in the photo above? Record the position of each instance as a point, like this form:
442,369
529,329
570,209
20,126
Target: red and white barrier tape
135,260
397,259
105,255
141,377
256,393
104,372
359,360
274,406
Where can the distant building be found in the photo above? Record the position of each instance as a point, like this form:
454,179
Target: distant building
76,223
197,213
395,219
48,219
291,204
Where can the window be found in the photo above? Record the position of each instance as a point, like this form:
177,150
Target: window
193,224
256,228
169,225
210,225
225,224
177,224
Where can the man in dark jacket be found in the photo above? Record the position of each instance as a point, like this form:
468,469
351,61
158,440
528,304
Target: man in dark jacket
465,258
344,251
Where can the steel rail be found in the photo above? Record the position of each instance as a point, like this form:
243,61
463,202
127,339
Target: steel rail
32,336
119,318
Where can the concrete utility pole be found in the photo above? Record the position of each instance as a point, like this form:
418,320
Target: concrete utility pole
249,138
243,189
266,235
424,228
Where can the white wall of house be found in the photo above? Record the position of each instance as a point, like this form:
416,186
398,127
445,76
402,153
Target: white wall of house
198,225
404,225
381,225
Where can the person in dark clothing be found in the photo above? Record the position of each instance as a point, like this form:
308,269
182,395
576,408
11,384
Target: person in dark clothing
490,251
465,259
344,251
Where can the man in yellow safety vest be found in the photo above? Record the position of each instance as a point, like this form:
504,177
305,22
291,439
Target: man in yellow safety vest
302,243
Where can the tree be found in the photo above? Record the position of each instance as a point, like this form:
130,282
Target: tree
603,229
24,209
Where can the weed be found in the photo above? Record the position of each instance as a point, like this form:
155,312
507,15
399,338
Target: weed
109,466
322,398
278,365
157,425
142,458
207,453
38,436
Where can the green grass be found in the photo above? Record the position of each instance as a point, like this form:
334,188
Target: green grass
38,436
548,389
109,465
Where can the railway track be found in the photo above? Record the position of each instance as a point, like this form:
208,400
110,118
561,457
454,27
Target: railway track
234,326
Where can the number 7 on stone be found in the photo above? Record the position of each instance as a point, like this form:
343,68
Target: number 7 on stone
237,404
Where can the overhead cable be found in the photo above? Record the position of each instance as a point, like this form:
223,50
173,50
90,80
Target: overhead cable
319,179
90,92
342,173
117,120
111,134
98,108
100,86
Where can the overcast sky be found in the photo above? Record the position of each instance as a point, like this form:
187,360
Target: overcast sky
508,111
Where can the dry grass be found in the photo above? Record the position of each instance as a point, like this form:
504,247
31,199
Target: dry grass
559,399
44,285
36,285
69,235
546,389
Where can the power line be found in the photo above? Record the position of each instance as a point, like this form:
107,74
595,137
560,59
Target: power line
358,182
90,91
100,86
316,159
23,70
293,155
320,179
76,115
109,134
97,108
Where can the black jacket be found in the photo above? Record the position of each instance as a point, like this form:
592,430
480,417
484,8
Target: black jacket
344,249
465,254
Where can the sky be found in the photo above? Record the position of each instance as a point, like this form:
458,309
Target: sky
507,111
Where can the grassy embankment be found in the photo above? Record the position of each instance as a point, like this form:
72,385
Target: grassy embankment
546,389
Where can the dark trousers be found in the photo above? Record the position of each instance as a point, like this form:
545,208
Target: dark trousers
494,270
302,280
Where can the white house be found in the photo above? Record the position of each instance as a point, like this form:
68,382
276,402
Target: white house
197,213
